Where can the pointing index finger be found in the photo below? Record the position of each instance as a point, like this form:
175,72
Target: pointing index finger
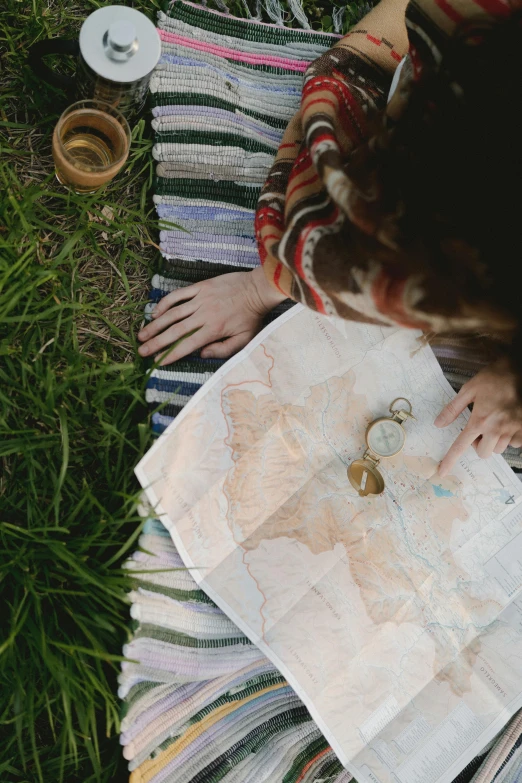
462,444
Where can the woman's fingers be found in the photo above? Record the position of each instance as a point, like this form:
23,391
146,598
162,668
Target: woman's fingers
172,316
227,308
188,344
455,407
226,348
516,440
487,445
502,444
462,444
175,297
169,336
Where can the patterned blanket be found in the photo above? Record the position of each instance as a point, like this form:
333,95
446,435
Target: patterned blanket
223,91
201,703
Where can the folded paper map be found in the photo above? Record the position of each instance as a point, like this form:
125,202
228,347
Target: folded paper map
396,618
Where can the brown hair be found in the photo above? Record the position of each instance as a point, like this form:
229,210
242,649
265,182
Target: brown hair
448,177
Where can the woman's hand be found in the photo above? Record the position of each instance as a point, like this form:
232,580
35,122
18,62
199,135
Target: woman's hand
220,315
496,419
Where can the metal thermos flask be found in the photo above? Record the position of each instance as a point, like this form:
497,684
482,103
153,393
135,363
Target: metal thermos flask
117,51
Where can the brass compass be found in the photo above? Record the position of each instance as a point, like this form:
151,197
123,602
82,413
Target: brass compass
385,437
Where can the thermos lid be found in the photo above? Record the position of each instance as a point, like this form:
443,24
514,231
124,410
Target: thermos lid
119,43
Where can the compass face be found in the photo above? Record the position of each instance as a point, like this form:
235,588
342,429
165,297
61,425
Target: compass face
385,437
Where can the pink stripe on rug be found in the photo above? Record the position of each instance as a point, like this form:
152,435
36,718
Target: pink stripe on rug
231,54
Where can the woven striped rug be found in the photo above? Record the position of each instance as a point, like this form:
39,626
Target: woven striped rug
223,93
201,704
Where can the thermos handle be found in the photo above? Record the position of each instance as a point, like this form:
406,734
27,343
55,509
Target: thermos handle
52,46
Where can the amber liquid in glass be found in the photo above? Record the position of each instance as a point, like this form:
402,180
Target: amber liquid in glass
89,148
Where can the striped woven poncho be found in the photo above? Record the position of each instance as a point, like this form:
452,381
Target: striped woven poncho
311,203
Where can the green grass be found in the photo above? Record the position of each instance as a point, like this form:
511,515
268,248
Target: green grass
74,273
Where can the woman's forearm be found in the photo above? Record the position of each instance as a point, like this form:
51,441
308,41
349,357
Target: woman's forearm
381,35
269,296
